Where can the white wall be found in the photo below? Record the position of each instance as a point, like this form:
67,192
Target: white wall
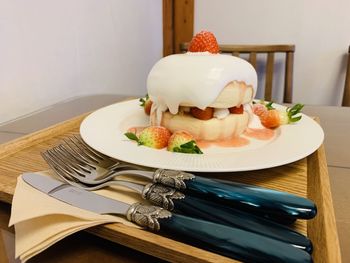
51,50
318,28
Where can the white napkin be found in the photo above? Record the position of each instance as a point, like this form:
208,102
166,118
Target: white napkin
40,220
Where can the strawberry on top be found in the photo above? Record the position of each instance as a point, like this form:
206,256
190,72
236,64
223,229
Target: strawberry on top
204,41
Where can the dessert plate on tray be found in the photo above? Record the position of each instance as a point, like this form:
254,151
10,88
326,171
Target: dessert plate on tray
104,131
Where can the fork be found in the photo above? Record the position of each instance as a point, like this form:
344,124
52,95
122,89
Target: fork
280,206
173,200
77,174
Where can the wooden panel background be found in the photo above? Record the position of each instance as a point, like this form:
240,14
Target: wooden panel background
178,17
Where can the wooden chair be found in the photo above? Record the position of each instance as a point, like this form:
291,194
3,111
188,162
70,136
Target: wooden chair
346,94
270,50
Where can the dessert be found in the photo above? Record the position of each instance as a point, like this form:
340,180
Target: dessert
201,92
203,98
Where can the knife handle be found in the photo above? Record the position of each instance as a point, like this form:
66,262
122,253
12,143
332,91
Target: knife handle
220,214
174,200
261,201
221,239
272,204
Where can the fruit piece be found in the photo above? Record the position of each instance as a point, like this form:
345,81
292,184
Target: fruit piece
236,110
146,103
153,136
274,118
204,41
259,109
136,130
205,114
183,142
270,119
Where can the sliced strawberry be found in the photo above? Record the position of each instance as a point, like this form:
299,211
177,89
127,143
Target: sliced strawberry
236,110
205,114
183,141
204,41
153,136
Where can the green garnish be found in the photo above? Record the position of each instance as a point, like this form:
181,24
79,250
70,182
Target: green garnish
291,112
143,100
269,106
188,147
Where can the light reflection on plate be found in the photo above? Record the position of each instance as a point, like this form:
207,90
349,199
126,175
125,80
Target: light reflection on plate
104,131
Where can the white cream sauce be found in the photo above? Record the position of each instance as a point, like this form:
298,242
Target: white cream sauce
195,79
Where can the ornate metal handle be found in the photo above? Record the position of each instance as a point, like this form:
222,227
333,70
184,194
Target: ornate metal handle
147,215
176,179
162,195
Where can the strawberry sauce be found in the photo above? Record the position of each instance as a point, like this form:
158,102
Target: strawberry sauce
239,141
260,134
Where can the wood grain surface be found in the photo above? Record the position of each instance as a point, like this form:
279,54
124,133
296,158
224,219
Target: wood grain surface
307,177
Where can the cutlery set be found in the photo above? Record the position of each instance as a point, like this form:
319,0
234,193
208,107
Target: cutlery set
240,221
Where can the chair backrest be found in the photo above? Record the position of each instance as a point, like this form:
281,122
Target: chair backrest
270,50
346,94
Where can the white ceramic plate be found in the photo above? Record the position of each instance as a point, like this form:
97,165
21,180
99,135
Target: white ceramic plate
104,131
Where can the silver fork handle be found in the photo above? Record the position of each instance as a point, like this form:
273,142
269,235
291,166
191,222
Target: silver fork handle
157,194
110,176
133,186
172,178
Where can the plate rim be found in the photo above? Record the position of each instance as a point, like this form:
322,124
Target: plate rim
85,124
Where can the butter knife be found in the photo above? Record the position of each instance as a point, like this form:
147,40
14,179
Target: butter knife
228,241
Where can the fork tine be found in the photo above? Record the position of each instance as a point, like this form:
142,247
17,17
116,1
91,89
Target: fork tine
64,151
94,158
76,151
86,150
66,164
83,143
61,171
116,163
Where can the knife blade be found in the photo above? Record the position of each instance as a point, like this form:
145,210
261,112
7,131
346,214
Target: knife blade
271,204
228,241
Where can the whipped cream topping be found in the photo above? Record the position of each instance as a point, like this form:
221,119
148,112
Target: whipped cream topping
195,79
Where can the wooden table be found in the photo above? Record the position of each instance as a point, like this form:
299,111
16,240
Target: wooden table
36,122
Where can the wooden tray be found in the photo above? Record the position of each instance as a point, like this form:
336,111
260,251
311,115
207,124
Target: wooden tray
307,177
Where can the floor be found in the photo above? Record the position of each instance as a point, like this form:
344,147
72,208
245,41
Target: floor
338,158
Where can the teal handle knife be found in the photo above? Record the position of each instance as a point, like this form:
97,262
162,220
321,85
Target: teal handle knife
271,204
221,239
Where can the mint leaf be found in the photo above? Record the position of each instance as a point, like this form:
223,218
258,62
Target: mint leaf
188,147
291,112
143,100
131,136
269,106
